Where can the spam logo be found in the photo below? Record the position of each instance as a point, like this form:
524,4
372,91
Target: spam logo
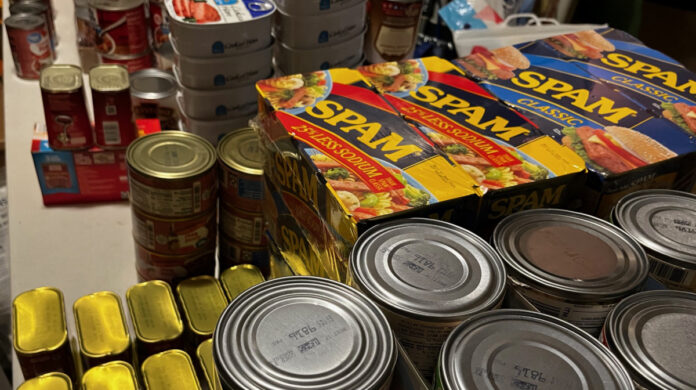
295,177
546,197
652,72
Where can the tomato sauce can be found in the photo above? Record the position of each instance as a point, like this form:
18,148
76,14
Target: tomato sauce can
172,269
159,23
37,7
242,226
231,253
175,236
122,26
113,115
241,170
132,62
30,43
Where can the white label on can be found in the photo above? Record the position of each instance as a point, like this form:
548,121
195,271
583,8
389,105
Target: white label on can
166,202
391,41
144,232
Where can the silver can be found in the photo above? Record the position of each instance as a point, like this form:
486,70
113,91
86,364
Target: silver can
570,265
303,333
518,349
427,276
652,333
153,93
664,222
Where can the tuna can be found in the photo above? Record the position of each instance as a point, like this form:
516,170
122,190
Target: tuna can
519,349
427,276
232,253
172,269
205,358
652,333
329,28
132,62
237,279
51,381
170,370
219,104
37,7
113,375
40,333
393,29
241,174
113,114
159,23
220,28
340,55
314,7
67,121
202,301
302,333
242,226
153,93
121,26
175,236
164,57
570,265
30,43
172,174
664,222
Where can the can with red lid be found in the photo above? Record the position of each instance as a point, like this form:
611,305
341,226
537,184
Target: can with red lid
113,115
231,252
132,62
159,23
172,269
122,26
175,236
242,226
241,170
37,7
30,43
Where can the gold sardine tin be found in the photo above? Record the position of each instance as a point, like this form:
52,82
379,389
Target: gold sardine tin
235,280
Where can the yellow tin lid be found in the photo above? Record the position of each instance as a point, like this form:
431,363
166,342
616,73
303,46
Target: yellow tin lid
205,357
237,279
109,78
101,326
170,370
39,321
240,150
153,312
60,78
50,381
117,375
202,301
171,155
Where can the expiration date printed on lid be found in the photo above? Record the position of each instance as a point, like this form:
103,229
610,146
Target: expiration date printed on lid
218,11
677,225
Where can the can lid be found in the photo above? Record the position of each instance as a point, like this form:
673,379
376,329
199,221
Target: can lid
240,150
30,7
171,155
663,221
50,381
519,349
113,375
236,279
653,333
303,332
38,317
24,21
205,358
428,268
110,5
202,301
154,312
152,84
570,253
100,324
170,370
109,78
60,78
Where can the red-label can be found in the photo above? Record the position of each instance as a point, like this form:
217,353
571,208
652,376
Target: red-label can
38,7
172,269
113,114
30,43
122,26
174,236
132,62
159,25
242,226
232,253
241,174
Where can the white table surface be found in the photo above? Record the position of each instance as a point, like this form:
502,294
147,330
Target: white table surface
78,249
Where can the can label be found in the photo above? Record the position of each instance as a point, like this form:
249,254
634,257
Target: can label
172,269
672,276
67,123
246,228
113,119
163,109
183,198
233,253
243,191
174,237
122,32
392,31
159,24
31,50
132,64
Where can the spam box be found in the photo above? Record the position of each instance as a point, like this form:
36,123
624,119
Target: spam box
624,145
514,163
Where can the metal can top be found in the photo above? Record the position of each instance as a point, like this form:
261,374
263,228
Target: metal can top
38,317
109,78
170,370
515,349
24,21
152,84
202,301
50,381
113,375
570,253
663,221
236,279
205,357
60,78
30,7
154,312
240,151
171,155
303,332
427,268
111,5
101,325
653,333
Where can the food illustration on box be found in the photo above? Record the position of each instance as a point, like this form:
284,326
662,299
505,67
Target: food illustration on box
493,64
296,91
216,11
395,76
582,45
682,115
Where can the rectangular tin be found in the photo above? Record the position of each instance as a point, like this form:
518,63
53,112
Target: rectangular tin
170,370
202,301
238,278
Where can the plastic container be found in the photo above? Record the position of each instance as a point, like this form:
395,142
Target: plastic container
344,54
329,28
212,130
219,103
313,7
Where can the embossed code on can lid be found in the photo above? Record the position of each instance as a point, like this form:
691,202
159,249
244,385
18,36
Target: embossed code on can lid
171,155
110,5
240,150
61,78
154,312
170,370
24,21
152,84
50,381
38,317
109,78
239,278
205,357
113,375
303,333
202,301
101,325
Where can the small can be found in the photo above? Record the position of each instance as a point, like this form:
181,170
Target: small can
172,269
121,26
202,300
664,223
113,114
67,121
38,7
50,381
113,375
40,333
101,327
170,370
175,236
237,279
172,174
132,62
427,276
153,93
205,358
30,43
570,265
304,333
519,349
241,174
232,253
652,334
159,23
242,226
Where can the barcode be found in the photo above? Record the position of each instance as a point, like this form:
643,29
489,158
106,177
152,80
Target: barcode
197,196
258,230
111,109
667,272
112,133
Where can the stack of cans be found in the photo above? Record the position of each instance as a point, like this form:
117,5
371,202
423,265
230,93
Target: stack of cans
32,36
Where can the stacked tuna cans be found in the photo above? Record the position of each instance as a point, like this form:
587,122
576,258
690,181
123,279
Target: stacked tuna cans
319,34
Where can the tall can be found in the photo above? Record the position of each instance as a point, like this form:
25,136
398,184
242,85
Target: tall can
37,7
392,29
30,43
159,23
121,26
113,115
153,93
241,174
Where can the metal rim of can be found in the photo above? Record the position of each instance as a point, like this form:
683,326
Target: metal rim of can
152,84
627,250
109,78
28,7
47,75
125,369
24,21
122,318
61,381
64,333
428,269
235,154
122,5
189,378
126,57
167,290
366,359
505,331
628,326
266,6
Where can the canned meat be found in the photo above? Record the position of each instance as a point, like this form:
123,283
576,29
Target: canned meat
241,170
121,26
175,236
232,253
202,300
30,43
38,7
132,62
113,375
205,358
113,114
237,279
172,269
170,370
325,29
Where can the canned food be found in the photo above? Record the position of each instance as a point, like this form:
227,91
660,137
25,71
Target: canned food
101,329
40,333
664,223
172,174
518,349
113,115
205,358
175,236
121,26
313,7
30,43
38,7
393,29
339,55
172,269
202,300
170,370
301,333
427,276
153,93
570,265
237,279
164,57
241,174
212,130
155,316
50,381
86,35
219,103
242,226
67,122
113,375
216,29
328,28
132,62
232,253
159,23
652,334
